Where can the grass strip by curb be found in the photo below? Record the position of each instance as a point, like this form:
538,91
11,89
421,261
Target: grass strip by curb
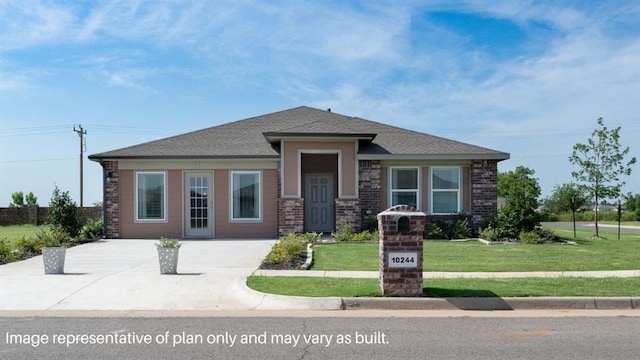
525,287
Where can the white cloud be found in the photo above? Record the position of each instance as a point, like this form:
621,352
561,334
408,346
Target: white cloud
27,23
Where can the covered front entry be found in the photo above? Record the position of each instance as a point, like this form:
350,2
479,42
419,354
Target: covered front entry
198,205
318,208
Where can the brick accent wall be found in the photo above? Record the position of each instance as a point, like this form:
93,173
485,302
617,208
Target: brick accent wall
369,188
111,200
484,192
401,281
290,216
348,212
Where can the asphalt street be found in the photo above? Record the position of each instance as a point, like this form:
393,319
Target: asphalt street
591,226
589,337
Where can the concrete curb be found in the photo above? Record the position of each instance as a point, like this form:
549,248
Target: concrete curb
492,303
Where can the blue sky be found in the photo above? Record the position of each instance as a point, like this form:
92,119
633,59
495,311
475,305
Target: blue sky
525,77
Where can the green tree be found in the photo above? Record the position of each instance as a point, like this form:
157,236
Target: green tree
521,191
63,212
601,163
17,199
31,199
632,203
567,197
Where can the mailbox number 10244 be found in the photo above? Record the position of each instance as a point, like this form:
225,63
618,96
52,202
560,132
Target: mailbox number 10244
403,260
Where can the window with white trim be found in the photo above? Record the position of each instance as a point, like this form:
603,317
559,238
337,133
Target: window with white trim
405,186
445,190
245,195
151,198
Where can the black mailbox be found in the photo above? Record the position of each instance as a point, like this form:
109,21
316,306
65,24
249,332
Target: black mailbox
403,225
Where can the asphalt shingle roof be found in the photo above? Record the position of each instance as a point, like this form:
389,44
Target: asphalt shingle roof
249,138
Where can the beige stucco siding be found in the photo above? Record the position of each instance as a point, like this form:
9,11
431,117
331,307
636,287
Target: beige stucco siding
347,179
266,227
171,227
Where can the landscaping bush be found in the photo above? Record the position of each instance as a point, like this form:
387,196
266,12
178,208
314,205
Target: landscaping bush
460,228
455,228
538,236
345,233
26,247
6,252
435,232
92,230
287,248
63,212
371,224
489,234
55,237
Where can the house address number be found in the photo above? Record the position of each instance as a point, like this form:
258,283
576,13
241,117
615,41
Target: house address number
403,259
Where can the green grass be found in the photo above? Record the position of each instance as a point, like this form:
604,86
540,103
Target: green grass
14,232
589,254
527,287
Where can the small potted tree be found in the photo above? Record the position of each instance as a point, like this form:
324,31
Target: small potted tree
53,250
168,255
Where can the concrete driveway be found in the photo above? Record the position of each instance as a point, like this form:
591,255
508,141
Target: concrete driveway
124,275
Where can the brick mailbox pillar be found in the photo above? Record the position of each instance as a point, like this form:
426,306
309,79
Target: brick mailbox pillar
401,234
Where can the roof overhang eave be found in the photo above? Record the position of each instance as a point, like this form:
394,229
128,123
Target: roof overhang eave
276,137
99,158
496,156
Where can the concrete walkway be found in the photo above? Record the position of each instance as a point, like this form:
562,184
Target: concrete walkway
124,275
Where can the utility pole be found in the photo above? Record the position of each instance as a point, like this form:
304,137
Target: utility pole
81,132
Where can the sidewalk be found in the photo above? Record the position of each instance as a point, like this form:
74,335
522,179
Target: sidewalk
454,275
476,303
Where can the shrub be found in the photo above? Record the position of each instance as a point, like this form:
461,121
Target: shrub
311,237
460,228
25,247
6,253
92,230
435,232
489,234
63,212
287,248
55,237
370,223
366,236
456,228
538,236
345,233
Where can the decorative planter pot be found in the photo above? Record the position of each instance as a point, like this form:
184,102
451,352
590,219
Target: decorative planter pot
168,258
53,258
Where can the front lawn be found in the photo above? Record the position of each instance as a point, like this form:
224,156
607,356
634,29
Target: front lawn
14,232
526,287
472,256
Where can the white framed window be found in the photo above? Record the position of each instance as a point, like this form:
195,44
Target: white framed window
405,186
445,190
151,196
246,195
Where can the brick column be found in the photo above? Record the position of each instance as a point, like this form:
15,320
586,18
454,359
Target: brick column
290,216
348,212
111,200
484,192
369,188
401,248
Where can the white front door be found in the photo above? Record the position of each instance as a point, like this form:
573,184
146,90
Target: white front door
198,205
